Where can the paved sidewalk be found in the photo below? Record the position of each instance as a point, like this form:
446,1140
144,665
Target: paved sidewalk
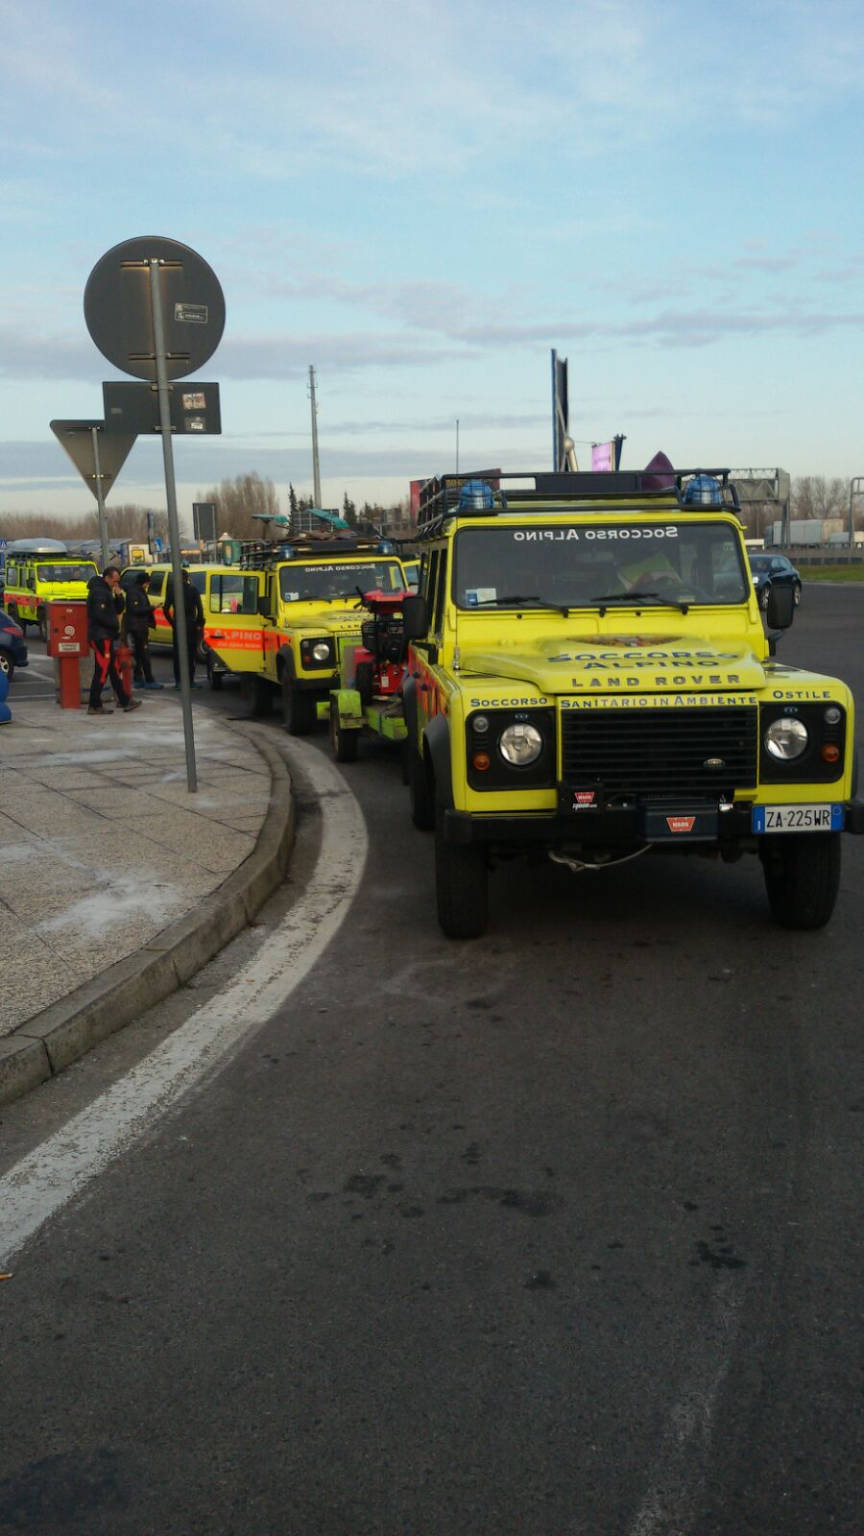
116,883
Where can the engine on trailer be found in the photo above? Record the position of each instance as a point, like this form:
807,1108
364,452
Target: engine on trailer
381,659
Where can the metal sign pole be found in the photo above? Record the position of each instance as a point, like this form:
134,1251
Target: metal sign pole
180,627
100,499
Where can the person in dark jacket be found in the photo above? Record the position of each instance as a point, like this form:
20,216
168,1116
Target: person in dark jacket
138,620
104,607
194,611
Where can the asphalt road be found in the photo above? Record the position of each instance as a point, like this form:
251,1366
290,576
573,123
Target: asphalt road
555,1232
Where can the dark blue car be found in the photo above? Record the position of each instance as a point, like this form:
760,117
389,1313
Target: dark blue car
13,650
774,570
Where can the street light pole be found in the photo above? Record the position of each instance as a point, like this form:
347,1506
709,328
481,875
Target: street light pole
316,472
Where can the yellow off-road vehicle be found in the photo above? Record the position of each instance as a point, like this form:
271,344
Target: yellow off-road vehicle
38,572
310,607
589,678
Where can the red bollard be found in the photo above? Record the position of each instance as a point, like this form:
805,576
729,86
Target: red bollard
69,682
125,668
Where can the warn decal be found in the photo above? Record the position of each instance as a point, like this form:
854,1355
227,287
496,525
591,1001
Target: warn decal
680,823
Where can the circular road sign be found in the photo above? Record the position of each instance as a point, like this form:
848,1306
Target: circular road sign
119,314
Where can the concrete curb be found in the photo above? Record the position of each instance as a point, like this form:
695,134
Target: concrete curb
51,1040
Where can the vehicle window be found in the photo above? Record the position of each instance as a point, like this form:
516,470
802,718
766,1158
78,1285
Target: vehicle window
329,579
440,594
233,593
157,583
66,572
581,565
428,575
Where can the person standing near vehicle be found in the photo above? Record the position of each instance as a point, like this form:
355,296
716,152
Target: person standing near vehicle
194,611
138,620
104,607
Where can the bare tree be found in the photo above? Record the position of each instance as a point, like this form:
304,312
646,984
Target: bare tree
816,496
237,500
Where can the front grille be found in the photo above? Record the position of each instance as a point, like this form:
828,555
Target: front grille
652,754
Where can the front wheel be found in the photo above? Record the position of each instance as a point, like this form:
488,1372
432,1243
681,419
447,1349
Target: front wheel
461,887
257,695
214,678
16,618
42,623
343,744
796,593
298,709
7,665
802,877
419,789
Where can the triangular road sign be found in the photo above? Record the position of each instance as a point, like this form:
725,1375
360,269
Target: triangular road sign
77,439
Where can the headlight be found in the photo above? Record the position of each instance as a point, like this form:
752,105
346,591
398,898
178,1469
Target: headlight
316,652
520,745
786,739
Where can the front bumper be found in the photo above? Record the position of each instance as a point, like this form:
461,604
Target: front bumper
629,827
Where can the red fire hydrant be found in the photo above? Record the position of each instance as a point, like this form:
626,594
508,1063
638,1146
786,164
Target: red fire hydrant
123,663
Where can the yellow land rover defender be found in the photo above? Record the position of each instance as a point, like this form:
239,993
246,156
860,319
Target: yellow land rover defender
310,607
589,677
38,571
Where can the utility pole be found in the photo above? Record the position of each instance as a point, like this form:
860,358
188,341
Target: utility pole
316,471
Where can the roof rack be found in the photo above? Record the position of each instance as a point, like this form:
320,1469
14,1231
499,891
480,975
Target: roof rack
256,554
440,497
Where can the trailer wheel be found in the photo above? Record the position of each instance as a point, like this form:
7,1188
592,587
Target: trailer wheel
802,877
461,887
364,681
343,744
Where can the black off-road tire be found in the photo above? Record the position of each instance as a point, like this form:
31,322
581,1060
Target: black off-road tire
343,744
420,790
298,709
257,695
364,681
17,619
42,623
461,887
802,877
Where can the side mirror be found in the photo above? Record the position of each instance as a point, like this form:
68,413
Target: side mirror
781,607
414,616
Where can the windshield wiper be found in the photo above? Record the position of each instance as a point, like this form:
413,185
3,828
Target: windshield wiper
633,599
517,598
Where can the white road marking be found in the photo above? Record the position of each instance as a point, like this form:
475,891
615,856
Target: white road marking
44,1181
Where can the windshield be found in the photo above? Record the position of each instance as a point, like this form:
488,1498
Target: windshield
329,579
585,565
66,572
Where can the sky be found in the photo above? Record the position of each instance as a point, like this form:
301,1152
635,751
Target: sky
421,200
